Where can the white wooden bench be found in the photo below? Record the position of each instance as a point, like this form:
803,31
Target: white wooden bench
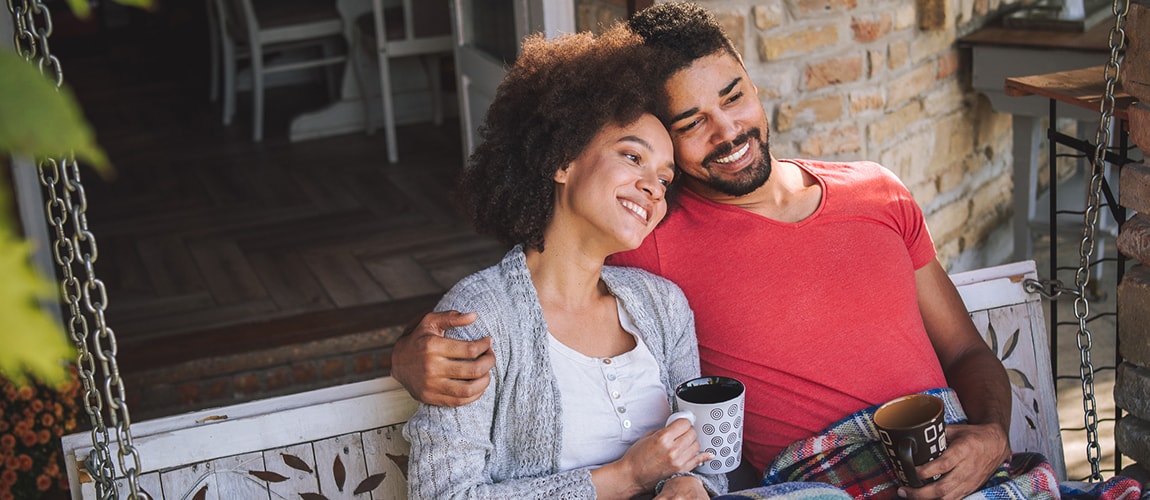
345,442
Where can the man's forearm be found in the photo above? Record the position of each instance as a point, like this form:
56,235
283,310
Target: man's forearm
983,388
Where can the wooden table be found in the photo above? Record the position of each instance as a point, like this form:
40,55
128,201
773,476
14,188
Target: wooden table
1081,87
999,53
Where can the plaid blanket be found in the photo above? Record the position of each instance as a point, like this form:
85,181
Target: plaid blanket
850,456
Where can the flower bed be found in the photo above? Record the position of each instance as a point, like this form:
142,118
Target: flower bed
33,416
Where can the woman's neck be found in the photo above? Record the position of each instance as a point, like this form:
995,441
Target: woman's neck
566,275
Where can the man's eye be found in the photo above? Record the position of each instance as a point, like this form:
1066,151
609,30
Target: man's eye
736,97
665,182
688,127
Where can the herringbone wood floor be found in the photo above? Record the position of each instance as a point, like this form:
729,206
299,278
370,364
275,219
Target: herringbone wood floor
212,245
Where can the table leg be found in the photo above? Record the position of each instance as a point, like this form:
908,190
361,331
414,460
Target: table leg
1028,135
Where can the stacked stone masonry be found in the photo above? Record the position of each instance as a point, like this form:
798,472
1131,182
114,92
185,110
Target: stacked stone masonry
1132,384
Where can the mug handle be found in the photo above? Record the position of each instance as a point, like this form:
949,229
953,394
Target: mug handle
905,455
680,414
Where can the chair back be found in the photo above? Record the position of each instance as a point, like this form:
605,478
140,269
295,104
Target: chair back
425,27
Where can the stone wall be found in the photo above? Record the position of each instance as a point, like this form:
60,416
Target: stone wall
1132,385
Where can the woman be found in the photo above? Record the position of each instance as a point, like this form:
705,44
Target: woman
574,167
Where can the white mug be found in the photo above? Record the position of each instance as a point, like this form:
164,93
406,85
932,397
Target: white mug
714,406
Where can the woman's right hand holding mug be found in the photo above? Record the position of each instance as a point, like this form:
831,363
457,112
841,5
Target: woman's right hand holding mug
654,457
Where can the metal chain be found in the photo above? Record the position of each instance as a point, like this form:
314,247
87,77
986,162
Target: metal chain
1117,41
75,246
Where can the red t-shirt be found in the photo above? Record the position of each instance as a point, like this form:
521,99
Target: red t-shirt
818,318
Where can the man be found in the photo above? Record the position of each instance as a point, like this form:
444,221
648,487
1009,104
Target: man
814,283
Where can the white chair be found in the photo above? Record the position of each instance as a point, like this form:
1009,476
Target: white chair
415,28
258,28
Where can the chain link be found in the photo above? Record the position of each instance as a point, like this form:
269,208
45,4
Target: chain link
1117,41
76,252
1048,289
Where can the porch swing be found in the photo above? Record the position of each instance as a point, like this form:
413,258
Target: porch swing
344,441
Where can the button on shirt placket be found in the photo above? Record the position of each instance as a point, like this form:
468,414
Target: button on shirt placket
611,375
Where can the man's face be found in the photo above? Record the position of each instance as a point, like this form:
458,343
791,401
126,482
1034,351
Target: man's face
718,127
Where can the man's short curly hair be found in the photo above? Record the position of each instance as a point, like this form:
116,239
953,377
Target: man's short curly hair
556,97
684,29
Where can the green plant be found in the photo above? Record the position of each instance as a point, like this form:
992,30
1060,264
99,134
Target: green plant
37,120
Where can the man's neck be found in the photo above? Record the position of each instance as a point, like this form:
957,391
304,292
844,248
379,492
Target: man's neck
791,194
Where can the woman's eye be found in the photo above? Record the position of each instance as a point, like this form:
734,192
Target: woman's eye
665,182
631,156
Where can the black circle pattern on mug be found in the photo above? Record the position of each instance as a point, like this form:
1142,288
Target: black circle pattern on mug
708,429
725,427
716,414
733,410
717,441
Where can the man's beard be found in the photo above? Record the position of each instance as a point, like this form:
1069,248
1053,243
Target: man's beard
747,180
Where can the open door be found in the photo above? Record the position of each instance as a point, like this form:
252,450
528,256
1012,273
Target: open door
487,37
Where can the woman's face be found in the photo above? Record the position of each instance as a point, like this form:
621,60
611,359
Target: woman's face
614,190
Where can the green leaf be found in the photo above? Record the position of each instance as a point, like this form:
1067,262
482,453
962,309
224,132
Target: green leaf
40,120
80,8
143,4
34,343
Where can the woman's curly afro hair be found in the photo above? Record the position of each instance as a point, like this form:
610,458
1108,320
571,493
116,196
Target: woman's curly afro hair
556,97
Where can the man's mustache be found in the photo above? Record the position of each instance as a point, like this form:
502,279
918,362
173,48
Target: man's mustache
725,148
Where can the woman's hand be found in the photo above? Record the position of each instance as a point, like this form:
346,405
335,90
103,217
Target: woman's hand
683,488
652,458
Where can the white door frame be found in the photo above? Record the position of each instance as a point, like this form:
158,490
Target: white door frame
478,73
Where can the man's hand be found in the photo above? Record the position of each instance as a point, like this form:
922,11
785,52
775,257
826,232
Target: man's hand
973,453
441,371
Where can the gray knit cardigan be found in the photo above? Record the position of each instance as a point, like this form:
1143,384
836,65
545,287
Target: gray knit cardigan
507,443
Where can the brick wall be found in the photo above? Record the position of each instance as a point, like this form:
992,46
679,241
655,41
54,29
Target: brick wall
1132,384
883,80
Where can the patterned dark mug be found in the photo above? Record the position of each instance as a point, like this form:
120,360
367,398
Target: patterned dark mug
913,432
714,406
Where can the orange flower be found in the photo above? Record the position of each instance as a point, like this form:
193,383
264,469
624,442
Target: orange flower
7,442
29,439
12,464
37,405
47,420
25,392
44,436
7,478
25,462
43,482
4,426
6,495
